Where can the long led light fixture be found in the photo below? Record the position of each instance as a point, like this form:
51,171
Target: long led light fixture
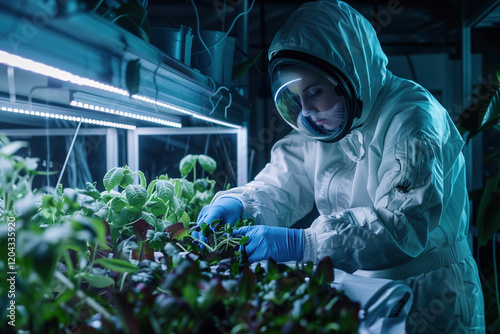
100,104
40,68
55,115
88,106
49,71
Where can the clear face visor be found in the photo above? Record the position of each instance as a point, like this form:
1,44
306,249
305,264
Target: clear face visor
311,101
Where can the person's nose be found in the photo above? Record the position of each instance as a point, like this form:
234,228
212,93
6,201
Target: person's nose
308,108
307,112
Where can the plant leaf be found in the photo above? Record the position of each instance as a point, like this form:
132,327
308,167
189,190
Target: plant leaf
324,273
136,195
165,190
91,190
187,164
178,188
157,208
151,188
12,147
100,230
178,206
200,185
207,163
107,196
187,189
100,210
247,285
132,16
158,240
97,281
240,70
149,218
174,227
492,115
120,218
243,240
142,177
117,204
179,234
185,219
127,179
118,265
44,260
113,178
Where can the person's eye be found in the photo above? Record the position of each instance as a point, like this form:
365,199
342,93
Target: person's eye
314,92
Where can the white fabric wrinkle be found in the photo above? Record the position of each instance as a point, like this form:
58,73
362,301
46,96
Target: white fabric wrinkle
353,145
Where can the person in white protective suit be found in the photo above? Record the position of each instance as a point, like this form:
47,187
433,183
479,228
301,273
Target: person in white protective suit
380,158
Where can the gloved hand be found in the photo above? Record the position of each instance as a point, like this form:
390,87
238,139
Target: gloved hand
227,209
279,243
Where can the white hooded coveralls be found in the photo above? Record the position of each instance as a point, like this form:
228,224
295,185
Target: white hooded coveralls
391,194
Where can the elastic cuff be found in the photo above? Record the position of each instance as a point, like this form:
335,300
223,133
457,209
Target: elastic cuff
221,195
310,246
296,241
229,199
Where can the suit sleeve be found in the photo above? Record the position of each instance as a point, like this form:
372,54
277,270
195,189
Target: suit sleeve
408,205
282,193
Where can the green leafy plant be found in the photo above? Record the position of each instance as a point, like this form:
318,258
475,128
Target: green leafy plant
481,117
124,261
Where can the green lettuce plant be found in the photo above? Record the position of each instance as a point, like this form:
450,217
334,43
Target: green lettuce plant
124,261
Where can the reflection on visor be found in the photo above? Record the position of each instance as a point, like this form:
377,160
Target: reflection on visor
314,98
290,107
305,124
329,119
284,86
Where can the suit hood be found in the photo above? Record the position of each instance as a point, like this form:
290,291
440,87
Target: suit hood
336,33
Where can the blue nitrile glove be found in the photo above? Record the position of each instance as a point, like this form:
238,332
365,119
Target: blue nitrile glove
227,209
279,243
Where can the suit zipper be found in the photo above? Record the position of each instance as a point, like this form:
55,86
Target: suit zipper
336,183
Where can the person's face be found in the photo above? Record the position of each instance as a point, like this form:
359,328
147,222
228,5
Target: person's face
317,95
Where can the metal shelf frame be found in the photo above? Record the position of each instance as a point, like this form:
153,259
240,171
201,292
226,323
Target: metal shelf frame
86,45
68,38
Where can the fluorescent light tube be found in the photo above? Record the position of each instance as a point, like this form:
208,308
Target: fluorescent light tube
55,115
42,69
131,112
49,71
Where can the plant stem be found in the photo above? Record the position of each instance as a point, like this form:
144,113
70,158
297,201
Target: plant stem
6,208
203,243
69,263
93,255
227,242
123,281
127,15
180,246
79,293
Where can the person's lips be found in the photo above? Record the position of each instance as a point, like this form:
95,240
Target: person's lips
320,122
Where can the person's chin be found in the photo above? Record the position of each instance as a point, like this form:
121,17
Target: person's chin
331,126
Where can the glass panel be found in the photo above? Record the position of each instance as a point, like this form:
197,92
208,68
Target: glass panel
87,162
161,154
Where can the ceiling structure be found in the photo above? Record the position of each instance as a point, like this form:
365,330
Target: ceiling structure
402,25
